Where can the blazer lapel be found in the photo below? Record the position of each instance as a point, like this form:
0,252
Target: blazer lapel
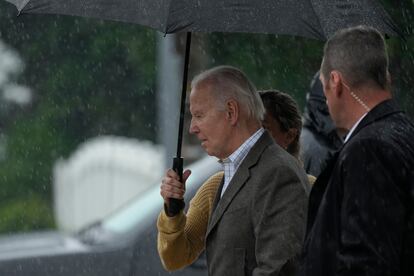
217,197
238,181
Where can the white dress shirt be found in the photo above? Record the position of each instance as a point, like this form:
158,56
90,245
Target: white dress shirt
232,163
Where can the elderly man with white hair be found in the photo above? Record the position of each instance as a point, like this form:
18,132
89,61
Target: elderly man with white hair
258,208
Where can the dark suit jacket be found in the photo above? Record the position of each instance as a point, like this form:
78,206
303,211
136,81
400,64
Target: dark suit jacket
258,225
360,219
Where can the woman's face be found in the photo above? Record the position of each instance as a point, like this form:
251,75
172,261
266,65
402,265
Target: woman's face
273,126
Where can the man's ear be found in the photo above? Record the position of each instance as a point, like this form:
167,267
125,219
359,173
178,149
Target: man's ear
335,82
232,111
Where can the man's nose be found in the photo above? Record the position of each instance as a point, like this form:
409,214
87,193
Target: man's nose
193,127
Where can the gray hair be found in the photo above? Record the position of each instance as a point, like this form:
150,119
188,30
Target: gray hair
228,82
360,54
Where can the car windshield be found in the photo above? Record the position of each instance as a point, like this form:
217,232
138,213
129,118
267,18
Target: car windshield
134,212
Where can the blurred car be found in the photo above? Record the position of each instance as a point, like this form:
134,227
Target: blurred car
124,243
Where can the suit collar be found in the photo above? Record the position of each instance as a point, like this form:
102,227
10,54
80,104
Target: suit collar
381,110
239,179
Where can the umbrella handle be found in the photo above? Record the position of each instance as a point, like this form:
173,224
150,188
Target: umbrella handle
176,205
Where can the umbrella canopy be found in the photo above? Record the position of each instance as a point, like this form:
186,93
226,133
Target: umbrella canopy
308,18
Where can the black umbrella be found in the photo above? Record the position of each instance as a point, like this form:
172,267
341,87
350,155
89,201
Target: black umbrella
316,19
309,18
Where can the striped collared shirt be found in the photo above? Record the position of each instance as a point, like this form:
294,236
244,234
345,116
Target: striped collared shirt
232,163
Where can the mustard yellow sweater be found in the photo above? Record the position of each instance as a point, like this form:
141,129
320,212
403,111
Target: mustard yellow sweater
181,238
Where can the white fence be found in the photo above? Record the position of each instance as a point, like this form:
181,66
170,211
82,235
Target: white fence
102,175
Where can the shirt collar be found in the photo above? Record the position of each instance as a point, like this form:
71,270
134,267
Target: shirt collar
354,127
241,152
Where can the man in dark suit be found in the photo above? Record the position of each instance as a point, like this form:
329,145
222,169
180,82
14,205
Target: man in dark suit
360,218
258,216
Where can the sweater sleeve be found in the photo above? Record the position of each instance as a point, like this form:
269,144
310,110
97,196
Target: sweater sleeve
181,238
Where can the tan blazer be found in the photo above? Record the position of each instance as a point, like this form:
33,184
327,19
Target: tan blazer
257,227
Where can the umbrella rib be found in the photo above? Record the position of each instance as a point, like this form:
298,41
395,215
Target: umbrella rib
22,6
167,22
319,21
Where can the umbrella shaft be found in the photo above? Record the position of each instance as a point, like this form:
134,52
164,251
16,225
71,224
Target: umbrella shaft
183,93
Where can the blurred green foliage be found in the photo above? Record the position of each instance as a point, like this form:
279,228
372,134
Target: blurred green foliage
25,214
89,78
92,77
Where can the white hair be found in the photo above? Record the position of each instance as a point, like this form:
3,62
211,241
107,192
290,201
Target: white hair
229,82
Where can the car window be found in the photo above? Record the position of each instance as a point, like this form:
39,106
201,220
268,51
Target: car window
144,208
